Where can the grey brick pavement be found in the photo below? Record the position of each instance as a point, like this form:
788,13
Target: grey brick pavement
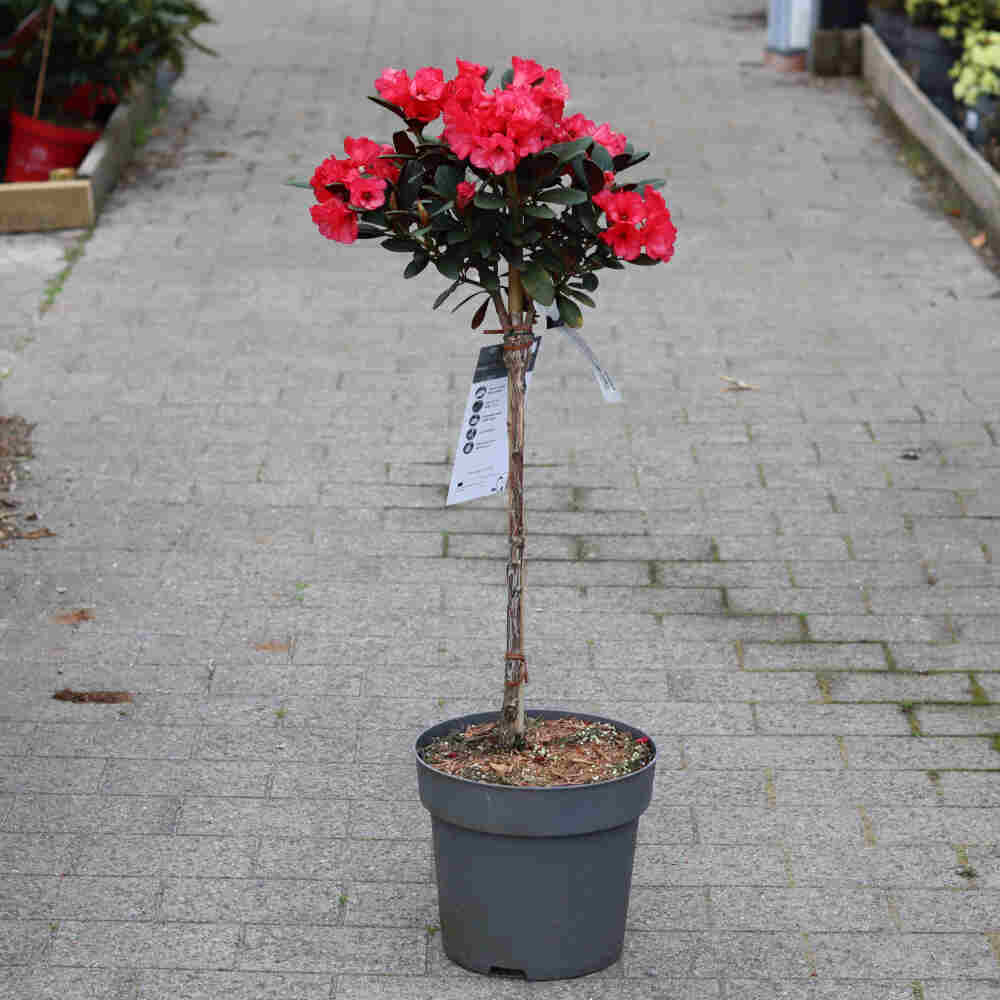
242,446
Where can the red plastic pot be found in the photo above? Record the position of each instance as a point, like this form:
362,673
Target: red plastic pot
37,147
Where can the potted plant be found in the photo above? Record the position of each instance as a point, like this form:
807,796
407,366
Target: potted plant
90,55
888,18
534,815
977,85
931,42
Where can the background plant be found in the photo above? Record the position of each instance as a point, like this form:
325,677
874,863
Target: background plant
513,199
110,44
977,71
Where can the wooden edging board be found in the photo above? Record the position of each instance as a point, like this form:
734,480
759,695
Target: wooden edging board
890,82
34,206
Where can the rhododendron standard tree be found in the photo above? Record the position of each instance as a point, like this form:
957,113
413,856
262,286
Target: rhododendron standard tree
514,199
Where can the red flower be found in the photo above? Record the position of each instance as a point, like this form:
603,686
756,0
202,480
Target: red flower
335,220
577,127
471,69
394,85
368,192
624,239
526,71
427,90
495,153
362,151
331,171
613,142
464,193
621,206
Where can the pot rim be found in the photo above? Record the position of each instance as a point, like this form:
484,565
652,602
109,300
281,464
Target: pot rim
544,712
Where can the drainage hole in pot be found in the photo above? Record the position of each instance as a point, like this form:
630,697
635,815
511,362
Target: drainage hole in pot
499,970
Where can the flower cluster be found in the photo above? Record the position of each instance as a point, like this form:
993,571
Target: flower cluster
355,183
637,221
511,192
494,130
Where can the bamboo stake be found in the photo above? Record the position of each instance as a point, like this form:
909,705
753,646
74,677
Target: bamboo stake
40,85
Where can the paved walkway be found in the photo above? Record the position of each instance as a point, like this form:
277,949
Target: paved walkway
243,445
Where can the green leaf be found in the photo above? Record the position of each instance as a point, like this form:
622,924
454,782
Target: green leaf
587,214
538,284
582,297
366,231
569,312
402,143
388,104
400,244
507,79
601,157
526,238
449,266
297,184
539,211
456,236
644,261
468,298
440,299
567,150
653,182
589,281
447,178
419,262
563,196
628,159
489,201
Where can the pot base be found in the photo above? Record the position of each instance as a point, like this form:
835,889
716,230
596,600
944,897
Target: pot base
544,908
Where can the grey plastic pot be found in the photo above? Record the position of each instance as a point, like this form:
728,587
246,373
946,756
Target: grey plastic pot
533,882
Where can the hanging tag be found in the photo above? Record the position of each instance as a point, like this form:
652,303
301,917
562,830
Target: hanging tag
605,382
482,458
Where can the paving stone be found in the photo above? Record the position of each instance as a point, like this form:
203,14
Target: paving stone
346,861
709,864
755,751
46,983
904,753
154,984
837,720
892,955
131,777
381,905
334,949
810,910
144,945
880,866
928,910
837,989
915,824
31,854
251,901
196,856
959,720
44,814
898,687
852,788
36,774
58,897
786,824
814,656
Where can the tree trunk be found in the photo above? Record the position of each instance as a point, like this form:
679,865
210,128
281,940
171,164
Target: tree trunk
516,351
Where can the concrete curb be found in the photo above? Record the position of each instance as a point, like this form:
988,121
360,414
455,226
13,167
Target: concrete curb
970,171
72,204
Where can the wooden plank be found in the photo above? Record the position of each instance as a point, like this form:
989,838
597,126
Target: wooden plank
33,206
969,170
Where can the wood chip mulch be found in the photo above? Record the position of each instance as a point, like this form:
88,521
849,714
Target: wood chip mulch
15,447
565,751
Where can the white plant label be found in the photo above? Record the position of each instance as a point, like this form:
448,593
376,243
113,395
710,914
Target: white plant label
482,457
604,381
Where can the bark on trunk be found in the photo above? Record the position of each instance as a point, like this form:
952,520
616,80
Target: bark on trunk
516,351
